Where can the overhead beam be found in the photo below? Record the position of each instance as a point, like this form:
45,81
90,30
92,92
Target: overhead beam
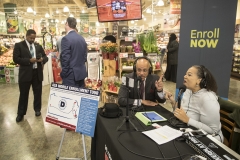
79,3
54,5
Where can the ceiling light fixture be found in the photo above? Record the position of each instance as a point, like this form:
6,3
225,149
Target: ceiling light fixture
97,23
34,12
57,21
29,10
65,9
71,15
15,12
57,11
47,15
160,3
149,10
78,20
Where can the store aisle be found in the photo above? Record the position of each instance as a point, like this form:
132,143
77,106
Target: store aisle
34,139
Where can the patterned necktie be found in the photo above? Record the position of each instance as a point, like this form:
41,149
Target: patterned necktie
142,89
31,51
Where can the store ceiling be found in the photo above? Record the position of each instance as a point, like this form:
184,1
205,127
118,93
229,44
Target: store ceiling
75,6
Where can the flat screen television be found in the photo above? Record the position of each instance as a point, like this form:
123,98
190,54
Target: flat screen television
90,3
118,10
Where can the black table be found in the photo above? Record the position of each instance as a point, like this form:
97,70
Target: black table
128,144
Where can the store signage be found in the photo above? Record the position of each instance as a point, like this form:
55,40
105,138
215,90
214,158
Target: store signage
123,55
129,39
84,23
203,39
11,18
73,108
175,6
207,38
138,54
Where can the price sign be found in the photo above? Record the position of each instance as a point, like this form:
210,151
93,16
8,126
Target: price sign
123,55
128,38
138,54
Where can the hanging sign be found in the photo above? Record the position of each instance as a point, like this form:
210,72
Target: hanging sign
11,18
84,23
175,7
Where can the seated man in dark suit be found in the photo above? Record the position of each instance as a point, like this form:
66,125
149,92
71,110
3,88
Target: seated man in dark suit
150,91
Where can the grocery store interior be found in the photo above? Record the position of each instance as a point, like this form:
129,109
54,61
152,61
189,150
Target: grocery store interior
34,138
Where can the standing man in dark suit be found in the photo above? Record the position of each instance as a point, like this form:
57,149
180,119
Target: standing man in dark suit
150,91
73,56
31,58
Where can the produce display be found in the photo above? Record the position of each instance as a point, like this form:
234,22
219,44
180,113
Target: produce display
148,42
93,84
112,84
6,59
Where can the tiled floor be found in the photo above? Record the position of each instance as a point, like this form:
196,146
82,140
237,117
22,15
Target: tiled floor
35,139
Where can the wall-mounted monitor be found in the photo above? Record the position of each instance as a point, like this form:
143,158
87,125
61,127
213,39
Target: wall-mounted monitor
90,3
118,10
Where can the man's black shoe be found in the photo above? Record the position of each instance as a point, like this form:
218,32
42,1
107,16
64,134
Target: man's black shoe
19,118
37,114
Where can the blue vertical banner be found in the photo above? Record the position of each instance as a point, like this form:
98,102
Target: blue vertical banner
207,35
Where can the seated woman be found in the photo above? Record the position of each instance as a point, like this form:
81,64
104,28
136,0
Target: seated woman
199,105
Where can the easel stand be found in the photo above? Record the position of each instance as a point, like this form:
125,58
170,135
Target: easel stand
126,118
60,147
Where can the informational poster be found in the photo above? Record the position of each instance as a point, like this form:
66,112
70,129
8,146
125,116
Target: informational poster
73,108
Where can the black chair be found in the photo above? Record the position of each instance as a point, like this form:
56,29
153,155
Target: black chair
230,123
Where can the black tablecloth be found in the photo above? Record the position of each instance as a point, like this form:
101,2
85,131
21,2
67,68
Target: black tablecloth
128,144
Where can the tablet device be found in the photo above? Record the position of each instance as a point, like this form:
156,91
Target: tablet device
153,116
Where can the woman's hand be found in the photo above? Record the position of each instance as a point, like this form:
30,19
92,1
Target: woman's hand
181,114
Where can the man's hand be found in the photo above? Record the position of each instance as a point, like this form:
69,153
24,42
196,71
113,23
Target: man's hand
149,103
168,95
159,84
33,60
39,60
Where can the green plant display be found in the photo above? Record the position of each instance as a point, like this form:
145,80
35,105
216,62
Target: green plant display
148,42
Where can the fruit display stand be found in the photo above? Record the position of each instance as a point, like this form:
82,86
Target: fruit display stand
110,89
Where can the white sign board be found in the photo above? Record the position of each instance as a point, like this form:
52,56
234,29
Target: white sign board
73,108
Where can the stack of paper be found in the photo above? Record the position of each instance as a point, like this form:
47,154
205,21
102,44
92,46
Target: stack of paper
163,134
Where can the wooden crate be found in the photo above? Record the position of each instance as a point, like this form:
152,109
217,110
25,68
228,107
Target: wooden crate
109,67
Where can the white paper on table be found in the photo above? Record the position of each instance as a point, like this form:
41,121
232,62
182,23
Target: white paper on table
163,134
